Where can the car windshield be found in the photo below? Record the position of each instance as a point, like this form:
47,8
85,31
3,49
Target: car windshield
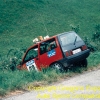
31,54
69,38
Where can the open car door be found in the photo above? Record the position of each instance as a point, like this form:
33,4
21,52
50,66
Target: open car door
31,60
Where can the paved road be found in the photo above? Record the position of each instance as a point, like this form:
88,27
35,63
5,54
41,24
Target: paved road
80,87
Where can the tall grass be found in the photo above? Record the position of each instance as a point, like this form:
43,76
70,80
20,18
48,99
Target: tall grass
19,80
10,81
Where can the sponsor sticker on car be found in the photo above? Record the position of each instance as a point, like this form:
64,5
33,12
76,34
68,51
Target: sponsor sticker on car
31,65
51,53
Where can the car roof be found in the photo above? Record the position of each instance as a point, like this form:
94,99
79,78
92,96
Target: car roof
42,41
49,39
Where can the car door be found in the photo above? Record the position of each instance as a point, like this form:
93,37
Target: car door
49,52
30,60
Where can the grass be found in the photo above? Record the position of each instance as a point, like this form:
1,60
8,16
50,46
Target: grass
10,81
94,59
23,20
19,80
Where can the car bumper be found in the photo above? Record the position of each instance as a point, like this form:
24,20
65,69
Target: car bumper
75,58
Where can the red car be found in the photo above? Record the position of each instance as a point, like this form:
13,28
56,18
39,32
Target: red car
60,51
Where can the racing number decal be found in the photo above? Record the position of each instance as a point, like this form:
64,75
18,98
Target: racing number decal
31,65
51,53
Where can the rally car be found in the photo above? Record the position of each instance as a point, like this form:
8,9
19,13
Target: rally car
59,51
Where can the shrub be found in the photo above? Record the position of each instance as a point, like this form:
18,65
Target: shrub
89,44
75,28
12,59
96,35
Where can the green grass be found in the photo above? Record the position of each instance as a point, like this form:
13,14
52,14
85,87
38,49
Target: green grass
23,20
19,80
94,59
10,81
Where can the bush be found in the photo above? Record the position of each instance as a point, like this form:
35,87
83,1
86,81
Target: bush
12,59
96,35
75,28
90,45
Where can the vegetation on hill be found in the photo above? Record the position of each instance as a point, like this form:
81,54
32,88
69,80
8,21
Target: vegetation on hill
23,20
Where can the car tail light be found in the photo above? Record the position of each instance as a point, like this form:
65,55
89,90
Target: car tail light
84,47
69,53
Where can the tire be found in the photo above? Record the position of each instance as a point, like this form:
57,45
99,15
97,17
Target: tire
84,63
57,66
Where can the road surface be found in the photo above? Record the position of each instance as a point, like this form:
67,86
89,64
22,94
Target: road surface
81,87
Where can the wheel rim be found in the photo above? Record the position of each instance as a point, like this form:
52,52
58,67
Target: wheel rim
57,66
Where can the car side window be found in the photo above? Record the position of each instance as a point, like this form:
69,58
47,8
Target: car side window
47,46
31,54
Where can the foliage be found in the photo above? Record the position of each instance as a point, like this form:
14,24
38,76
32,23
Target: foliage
89,44
11,80
75,28
12,59
96,35
23,20
94,59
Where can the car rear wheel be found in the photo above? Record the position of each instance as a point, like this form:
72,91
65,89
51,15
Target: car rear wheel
84,63
58,66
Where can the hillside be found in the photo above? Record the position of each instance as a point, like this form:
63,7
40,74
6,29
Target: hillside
23,20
